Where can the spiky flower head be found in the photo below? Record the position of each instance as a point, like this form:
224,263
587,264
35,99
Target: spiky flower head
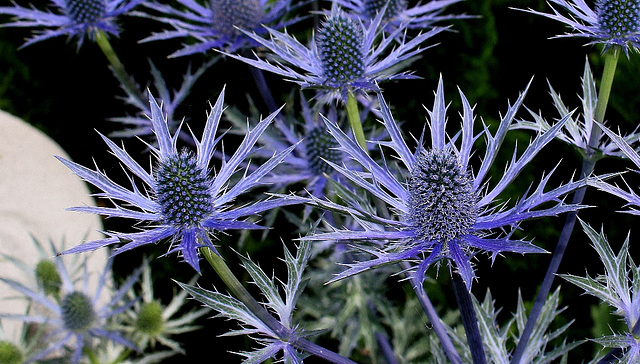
186,202
442,202
340,41
321,147
231,15
73,18
343,55
80,314
440,208
391,8
218,24
611,23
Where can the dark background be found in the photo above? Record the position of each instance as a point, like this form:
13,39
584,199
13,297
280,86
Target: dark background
69,93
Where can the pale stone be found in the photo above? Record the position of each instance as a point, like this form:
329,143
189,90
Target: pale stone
35,190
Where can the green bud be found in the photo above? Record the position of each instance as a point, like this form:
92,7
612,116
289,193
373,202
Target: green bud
10,353
48,277
150,321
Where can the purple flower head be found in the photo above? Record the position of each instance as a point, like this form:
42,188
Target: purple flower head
74,18
186,202
398,13
218,23
440,206
344,55
611,23
75,314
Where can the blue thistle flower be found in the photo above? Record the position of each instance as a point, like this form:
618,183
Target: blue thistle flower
398,13
611,23
343,55
185,203
74,18
218,23
443,209
77,314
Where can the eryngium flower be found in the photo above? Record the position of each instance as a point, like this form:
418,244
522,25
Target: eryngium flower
611,23
78,315
441,207
398,12
344,54
185,202
74,18
217,24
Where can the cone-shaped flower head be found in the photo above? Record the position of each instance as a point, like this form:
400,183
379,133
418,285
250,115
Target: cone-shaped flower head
611,23
229,15
74,18
185,203
79,313
440,207
340,47
344,54
442,202
393,8
321,147
218,23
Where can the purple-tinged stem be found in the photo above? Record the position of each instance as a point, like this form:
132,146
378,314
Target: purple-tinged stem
469,320
588,165
432,315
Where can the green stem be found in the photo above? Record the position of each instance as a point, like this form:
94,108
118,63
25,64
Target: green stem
588,166
610,63
118,68
283,333
354,120
241,293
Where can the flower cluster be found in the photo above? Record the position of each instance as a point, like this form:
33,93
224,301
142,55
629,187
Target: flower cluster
382,216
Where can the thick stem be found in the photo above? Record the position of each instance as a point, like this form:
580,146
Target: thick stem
241,293
469,319
432,315
354,119
588,165
263,87
118,68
